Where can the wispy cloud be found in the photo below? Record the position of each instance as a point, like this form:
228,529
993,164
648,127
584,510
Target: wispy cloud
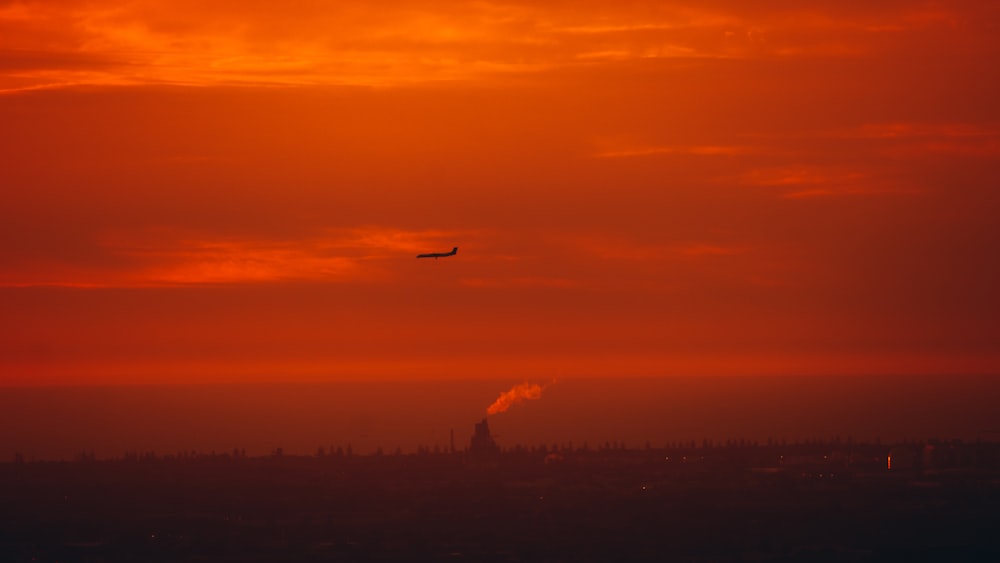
804,175
812,181
921,130
695,150
631,250
167,257
522,282
403,42
708,250
206,262
916,139
981,148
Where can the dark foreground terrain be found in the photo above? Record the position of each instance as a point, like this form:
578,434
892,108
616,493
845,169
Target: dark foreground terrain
819,502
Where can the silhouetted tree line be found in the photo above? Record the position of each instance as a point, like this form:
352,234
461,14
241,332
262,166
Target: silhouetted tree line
926,451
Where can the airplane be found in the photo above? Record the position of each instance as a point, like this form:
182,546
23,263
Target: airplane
436,255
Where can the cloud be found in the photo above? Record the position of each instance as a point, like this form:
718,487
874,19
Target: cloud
708,250
522,282
916,139
988,148
922,130
201,262
816,181
168,257
695,150
607,248
805,175
46,44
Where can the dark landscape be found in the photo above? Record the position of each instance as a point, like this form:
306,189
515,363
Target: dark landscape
736,501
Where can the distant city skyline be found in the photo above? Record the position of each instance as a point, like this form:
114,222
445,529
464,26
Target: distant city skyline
61,423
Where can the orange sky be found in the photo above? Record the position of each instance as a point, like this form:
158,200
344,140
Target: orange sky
237,192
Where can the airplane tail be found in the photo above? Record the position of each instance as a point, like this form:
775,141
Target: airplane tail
454,250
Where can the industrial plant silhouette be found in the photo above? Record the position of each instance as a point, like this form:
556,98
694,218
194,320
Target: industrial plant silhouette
833,500
483,444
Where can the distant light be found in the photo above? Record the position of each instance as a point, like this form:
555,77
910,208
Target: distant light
888,462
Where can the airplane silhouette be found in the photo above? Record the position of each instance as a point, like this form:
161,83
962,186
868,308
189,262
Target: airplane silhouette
436,255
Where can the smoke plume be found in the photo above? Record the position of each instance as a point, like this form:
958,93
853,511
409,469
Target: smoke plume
517,394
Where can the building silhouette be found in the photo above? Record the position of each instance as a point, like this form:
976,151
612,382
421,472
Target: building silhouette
483,444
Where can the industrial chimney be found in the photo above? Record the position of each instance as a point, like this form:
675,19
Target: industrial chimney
482,442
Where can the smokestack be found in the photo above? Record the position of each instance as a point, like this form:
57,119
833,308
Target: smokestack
483,443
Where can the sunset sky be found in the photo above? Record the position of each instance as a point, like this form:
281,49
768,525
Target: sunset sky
235,191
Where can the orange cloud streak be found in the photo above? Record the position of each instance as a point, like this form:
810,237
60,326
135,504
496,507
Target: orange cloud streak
191,43
165,258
